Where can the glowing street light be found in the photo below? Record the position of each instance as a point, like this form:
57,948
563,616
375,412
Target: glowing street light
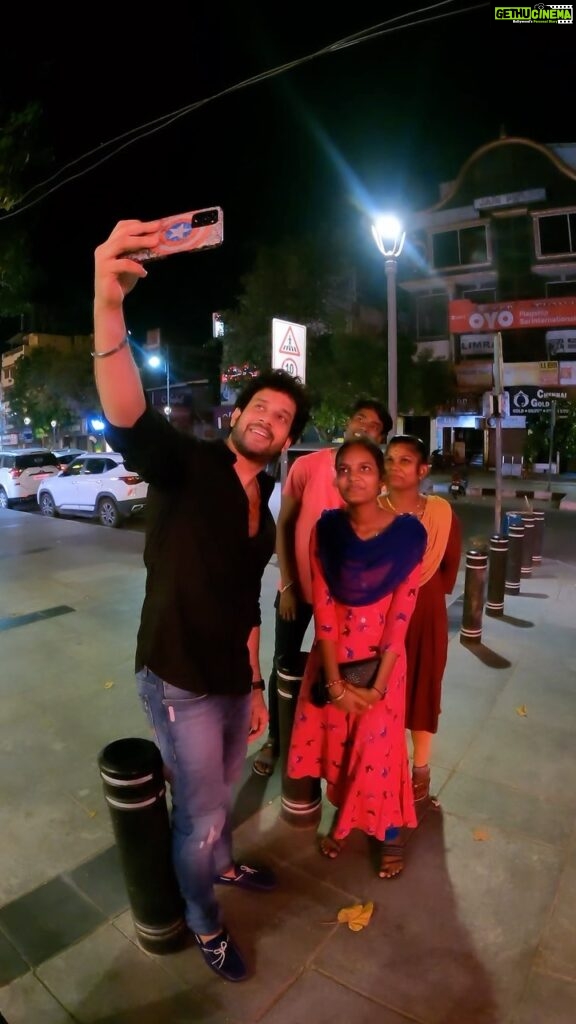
54,424
157,363
389,236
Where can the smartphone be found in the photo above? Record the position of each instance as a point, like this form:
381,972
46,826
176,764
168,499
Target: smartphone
185,232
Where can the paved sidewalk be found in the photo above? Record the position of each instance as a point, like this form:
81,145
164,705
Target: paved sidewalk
479,929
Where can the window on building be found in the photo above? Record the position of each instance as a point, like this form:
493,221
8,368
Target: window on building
479,295
432,316
558,289
463,247
556,234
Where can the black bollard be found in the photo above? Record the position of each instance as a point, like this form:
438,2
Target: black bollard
527,546
496,575
474,586
301,803
538,538
133,777
514,560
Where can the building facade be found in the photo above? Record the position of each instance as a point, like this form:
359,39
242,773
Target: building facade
497,253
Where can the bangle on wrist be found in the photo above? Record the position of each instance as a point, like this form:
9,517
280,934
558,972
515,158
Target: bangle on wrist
338,696
381,692
111,351
286,586
258,684
334,682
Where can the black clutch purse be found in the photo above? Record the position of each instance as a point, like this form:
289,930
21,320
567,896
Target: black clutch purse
358,673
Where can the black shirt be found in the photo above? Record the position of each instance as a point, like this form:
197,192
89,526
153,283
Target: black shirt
203,571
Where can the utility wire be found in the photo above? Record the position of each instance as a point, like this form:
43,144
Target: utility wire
151,127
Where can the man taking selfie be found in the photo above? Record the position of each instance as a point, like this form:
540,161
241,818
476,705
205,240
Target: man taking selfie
209,537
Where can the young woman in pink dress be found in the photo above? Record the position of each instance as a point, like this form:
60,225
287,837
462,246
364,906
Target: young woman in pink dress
365,574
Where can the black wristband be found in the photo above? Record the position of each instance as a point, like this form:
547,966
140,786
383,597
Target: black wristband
258,684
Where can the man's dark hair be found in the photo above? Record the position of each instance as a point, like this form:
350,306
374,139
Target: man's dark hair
377,407
279,380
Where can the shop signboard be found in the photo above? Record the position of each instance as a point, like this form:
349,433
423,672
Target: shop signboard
531,401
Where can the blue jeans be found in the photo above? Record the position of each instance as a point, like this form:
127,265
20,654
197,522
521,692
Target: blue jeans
203,741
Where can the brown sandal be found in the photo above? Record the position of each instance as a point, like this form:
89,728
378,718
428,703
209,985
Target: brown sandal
392,860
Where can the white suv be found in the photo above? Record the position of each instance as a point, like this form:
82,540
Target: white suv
21,472
96,485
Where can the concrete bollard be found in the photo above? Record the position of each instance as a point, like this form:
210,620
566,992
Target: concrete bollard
528,545
538,538
514,560
474,587
496,575
133,778
301,802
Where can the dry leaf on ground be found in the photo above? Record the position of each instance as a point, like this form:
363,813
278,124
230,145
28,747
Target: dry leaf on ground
522,711
356,917
481,835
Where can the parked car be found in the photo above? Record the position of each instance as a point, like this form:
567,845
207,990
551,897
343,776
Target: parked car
21,472
96,485
67,455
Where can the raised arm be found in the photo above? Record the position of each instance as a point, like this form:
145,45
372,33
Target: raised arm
117,376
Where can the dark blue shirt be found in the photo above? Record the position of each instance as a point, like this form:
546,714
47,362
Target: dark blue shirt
203,571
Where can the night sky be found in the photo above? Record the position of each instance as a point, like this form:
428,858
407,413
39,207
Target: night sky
371,126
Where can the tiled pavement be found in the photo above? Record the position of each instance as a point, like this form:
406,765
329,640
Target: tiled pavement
480,928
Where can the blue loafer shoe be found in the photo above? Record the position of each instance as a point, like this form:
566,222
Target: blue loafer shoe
245,877
222,957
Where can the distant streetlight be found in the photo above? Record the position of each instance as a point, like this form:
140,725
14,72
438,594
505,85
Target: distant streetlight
54,424
389,236
158,363
27,421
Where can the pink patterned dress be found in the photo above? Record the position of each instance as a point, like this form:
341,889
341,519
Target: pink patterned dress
363,758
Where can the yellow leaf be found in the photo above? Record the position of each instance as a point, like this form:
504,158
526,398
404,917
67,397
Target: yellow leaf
357,916
522,711
108,684
481,835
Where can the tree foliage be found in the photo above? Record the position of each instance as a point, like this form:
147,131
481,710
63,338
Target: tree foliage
52,385
305,282
19,154
539,433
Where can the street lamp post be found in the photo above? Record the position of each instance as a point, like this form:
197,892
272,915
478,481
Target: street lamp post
54,424
156,362
389,237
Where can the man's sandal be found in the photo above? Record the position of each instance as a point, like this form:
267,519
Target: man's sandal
265,760
392,860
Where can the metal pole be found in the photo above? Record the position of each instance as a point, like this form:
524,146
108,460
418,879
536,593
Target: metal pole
390,266
497,411
527,546
496,575
168,380
133,779
551,447
538,538
301,803
474,586
514,560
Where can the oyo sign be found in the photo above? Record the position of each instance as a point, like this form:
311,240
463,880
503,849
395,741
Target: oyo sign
496,320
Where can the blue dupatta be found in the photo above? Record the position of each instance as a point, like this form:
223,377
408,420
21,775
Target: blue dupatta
361,572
